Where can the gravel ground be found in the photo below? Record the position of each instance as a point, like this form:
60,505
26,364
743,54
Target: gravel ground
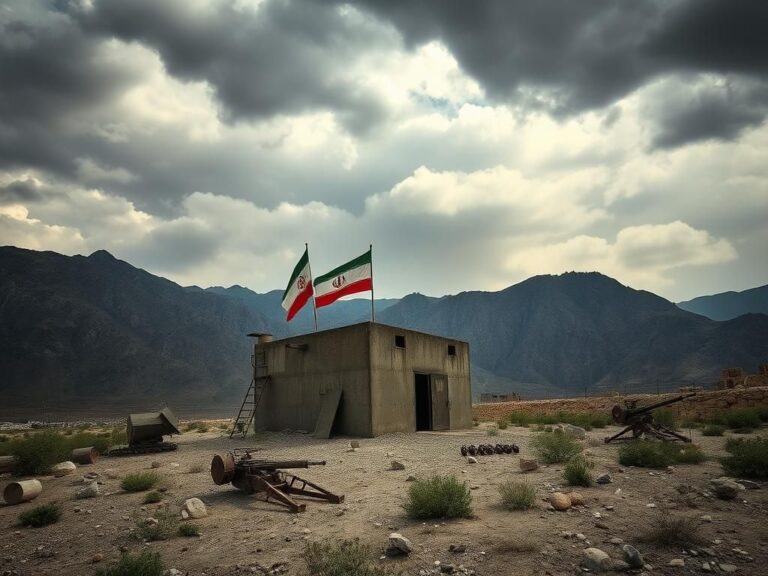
243,533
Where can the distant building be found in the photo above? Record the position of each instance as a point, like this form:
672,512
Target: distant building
735,377
486,397
363,380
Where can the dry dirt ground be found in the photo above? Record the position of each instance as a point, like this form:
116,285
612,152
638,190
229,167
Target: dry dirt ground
243,533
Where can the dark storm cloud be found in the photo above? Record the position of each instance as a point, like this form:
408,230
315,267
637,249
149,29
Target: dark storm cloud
48,72
719,112
568,57
282,58
22,191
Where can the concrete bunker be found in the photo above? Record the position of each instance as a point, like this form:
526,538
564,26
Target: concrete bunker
365,379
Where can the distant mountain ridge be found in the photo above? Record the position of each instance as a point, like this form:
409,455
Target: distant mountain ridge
586,331
729,305
91,330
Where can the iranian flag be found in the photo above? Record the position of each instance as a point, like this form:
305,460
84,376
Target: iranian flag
299,289
354,276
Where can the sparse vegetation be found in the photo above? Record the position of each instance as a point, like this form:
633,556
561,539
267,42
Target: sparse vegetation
438,497
145,564
517,495
41,516
578,471
166,527
152,497
502,424
492,431
197,425
650,454
713,430
748,458
139,481
745,419
586,421
554,447
189,530
665,417
341,558
672,531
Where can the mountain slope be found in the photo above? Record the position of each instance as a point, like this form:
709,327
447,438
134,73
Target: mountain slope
729,305
96,329
578,331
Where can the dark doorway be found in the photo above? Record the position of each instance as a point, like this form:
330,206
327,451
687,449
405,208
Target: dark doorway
423,402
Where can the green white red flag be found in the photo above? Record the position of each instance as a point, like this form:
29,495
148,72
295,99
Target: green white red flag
350,278
299,289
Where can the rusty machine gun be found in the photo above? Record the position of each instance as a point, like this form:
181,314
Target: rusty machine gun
640,422
252,475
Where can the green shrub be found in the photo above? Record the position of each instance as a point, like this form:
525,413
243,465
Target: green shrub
672,531
762,413
438,497
520,419
145,564
501,424
4,438
492,431
139,481
189,530
748,458
41,516
36,453
643,453
197,468
167,526
554,447
199,426
517,495
578,471
713,430
152,497
341,558
744,418
650,454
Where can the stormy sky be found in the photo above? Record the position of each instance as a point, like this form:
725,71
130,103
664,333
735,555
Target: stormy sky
474,144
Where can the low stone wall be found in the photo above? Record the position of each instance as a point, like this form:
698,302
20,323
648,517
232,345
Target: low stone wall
703,405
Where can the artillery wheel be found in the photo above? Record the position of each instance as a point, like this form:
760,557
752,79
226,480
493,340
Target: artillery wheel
223,468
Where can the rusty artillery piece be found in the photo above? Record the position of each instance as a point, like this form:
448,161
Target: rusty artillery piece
252,475
640,422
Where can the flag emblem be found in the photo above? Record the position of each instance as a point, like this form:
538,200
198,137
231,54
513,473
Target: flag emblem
339,281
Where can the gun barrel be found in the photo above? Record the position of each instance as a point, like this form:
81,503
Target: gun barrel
645,409
278,464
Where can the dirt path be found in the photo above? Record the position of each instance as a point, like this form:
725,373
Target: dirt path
242,530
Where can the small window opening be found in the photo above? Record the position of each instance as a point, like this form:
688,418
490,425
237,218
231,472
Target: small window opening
451,350
399,341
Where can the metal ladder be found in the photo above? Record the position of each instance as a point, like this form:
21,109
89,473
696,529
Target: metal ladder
252,397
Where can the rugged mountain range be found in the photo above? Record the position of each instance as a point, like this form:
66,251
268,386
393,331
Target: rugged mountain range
729,305
96,330
584,331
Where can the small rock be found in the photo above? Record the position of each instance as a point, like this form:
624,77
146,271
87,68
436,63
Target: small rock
596,560
471,460
651,505
728,568
706,518
174,464
679,562
604,478
576,499
173,572
619,565
706,567
156,464
97,558
632,556
749,484
151,522
63,469
457,548
395,465
90,491
401,542
573,431
559,501
725,488
411,479
195,508
184,515
527,465
447,568
111,474
354,444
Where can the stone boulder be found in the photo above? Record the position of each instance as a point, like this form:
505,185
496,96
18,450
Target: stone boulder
725,488
604,478
195,508
559,501
632,556
572,431
63,469
527,465
89,491
400,542
597,560
395,465
576,499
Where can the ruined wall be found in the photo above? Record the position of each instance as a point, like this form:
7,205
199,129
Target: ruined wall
702,405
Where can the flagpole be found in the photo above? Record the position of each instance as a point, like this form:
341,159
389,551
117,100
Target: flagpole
373,313
311,279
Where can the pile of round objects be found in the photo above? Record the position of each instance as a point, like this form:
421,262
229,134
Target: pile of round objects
488,449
